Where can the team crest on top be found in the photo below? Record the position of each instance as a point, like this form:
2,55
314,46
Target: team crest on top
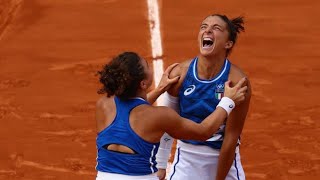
219,91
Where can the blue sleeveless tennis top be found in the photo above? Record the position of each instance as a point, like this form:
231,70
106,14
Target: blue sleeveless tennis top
198,99
143,162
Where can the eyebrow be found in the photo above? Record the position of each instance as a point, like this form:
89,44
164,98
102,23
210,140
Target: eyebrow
218,25
213,25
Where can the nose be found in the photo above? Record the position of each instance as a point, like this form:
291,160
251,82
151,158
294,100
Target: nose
208,30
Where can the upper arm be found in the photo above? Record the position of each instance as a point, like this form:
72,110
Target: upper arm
179,127
180,70
237,117
100,114
105,112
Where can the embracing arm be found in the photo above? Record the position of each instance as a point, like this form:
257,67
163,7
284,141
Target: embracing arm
182,128
171,100
233,130
164,84
168,78
153,95
166,141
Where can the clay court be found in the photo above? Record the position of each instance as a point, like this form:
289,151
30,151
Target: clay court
50,51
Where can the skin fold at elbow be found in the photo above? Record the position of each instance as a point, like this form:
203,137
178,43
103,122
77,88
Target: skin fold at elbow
204,134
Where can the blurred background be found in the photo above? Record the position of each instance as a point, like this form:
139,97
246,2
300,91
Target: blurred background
50,51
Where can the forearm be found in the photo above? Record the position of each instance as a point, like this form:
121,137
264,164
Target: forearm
153,95
215,119
166,140
164,151
212,123
233,130
226,157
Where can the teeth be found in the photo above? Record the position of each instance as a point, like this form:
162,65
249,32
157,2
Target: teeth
207,39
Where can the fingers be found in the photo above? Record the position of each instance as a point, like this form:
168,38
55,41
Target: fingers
241,95
227,84
240,83
169,69
242,98
174,80
239,98
243,89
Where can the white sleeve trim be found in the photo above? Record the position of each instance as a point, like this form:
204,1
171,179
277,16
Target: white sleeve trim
166,141
169,101
164,151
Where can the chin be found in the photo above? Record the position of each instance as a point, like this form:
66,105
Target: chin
205,53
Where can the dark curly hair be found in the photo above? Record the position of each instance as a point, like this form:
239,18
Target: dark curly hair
235,26
122,76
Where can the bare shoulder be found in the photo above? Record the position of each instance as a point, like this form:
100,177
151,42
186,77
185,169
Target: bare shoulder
157,111
154,116
161,114
104,106
102,102
180,70
105,112
236,74
164,111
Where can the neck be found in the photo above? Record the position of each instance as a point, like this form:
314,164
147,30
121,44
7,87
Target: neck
142,94
209,67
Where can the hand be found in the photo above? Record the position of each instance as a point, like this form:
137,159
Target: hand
161,174
166,82
236,93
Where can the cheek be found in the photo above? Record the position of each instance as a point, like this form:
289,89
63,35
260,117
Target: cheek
221,38
151,73
150,77
225,36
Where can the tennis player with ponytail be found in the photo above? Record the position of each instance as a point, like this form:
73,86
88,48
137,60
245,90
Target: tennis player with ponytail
129,128
196,95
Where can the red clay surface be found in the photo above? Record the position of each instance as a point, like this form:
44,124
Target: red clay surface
51,49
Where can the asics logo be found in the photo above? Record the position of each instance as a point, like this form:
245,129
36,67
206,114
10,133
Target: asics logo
189,90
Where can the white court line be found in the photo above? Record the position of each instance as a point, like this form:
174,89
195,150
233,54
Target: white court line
156,44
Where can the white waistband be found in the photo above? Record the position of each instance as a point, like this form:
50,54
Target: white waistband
106,175
200,149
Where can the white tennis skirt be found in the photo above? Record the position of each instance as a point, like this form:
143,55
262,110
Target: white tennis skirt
113,176
193,162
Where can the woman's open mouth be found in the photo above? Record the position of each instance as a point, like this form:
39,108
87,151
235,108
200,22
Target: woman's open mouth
207,43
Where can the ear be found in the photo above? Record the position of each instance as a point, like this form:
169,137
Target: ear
144,85
229,45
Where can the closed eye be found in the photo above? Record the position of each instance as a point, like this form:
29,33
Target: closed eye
203,27
216,27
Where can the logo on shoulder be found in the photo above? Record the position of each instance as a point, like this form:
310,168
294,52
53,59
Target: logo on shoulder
230,106
189,90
